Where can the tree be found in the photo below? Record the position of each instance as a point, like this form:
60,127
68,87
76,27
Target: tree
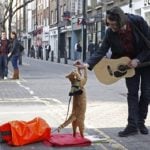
10,10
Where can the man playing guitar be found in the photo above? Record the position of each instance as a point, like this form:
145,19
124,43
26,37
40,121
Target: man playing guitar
124,40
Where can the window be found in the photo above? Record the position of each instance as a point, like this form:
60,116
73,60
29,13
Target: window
52,17
89,3
73,6
61,12
41,19
147,17
46,4
46,22
65,8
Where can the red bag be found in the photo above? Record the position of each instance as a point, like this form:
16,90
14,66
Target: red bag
5,132
23,132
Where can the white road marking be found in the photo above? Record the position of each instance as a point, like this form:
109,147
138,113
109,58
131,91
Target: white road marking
111,141
56,100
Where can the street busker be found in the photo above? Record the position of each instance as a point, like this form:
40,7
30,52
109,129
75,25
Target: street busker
78,79
128,35
14,54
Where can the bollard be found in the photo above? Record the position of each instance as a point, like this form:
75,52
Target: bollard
52,55
46,54
65,57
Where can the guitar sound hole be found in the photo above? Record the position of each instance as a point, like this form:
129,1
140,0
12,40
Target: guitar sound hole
109,70
122,68
118,74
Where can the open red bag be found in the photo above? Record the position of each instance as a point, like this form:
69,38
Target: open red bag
5,133
21,132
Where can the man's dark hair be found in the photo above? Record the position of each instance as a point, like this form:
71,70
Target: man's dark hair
113,17
116,14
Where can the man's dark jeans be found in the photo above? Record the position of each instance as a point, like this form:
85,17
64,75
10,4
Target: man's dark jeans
3,66
138,96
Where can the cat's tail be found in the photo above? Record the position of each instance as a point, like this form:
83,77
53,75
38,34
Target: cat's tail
67,122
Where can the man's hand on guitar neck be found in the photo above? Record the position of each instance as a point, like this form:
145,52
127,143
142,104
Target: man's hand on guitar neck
134,63
80,65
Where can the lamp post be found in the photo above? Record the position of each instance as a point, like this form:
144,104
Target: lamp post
36,16
130,4
24,17
35,23
84,34
58,34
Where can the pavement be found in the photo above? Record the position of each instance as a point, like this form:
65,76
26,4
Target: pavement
18,101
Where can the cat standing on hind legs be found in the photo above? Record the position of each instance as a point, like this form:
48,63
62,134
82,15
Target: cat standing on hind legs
78,79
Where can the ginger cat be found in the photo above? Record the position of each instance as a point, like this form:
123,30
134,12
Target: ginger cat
78,79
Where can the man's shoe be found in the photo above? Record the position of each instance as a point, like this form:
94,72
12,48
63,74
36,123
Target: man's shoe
128,131
143,129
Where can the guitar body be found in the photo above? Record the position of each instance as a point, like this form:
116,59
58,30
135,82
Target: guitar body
107,71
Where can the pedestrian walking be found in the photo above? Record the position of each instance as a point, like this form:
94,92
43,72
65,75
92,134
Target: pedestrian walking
14,54
4,49
39,52
78,50
128,35
47,49
91,48
32,51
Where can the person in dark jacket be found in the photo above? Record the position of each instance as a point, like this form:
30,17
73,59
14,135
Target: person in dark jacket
4,49
32,51
91,47
14,54
47,50
40,52
124,40
78,51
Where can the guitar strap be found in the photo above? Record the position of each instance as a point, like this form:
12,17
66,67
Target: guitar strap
147,42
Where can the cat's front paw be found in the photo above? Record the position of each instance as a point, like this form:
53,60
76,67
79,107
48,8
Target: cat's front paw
59,128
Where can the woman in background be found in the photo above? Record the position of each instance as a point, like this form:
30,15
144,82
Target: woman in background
14,54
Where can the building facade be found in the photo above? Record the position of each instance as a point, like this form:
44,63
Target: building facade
60,22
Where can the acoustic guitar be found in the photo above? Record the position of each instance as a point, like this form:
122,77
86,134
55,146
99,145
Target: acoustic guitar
109,71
